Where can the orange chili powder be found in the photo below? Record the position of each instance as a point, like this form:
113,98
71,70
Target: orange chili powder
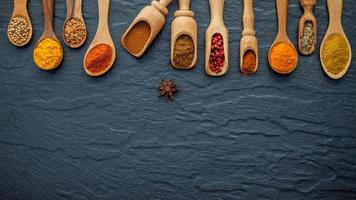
283,57
98,58
249,62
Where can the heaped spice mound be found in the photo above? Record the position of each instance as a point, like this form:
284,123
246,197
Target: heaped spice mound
217,55
99,58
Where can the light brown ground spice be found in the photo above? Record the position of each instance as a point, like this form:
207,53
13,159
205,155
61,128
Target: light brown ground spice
183,53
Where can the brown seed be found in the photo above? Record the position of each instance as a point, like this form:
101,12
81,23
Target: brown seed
74,31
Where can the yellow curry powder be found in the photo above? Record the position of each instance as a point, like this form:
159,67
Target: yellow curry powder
335,53
283,57
47,54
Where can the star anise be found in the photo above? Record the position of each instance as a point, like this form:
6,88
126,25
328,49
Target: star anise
167,88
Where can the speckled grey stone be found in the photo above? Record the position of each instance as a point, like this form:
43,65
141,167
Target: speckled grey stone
64,135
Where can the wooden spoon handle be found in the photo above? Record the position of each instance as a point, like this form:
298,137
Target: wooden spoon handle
103,6
282,10
19,5
248,18
217,11
47,7
184,4
335,12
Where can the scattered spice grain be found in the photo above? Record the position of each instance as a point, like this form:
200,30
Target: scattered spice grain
98,58
47,54
183,53
335,53
19,30
74,31
137,37
249,62
307,38
283,57
217,55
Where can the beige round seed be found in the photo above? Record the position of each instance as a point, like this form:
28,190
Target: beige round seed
18,30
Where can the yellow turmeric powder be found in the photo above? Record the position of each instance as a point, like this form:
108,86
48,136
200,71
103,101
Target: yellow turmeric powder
47,54
283,57
335,53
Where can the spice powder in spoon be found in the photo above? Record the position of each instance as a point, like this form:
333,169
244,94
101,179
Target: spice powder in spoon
98,58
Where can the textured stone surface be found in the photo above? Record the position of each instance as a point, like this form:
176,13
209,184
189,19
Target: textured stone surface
64,135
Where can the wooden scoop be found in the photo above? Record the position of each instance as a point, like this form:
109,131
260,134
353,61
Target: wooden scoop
47,7
102,36
282,37
248,41
308,16
184,23
216,26
74,10
20,10
335,27
154,15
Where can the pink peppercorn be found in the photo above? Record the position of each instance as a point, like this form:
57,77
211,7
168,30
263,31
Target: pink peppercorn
217,56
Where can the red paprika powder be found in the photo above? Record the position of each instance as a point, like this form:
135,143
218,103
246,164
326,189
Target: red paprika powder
98,58
217,55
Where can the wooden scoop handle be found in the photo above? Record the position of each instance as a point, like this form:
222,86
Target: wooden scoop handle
217,11
47,7
184,4
282,10
165,3
335,12
103,6
248,18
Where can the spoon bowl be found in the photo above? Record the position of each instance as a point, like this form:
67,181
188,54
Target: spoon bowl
20,10
154,16
74,11
249,40
282,37
248,43
335,28
184,24
216,26
308,16
102,36
47,6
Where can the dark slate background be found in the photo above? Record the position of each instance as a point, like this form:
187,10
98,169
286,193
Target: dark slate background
64,135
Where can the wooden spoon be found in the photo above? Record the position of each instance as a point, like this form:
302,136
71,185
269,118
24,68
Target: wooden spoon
154,15
20,10
335,27
248,41
308,16
47,7
216,26
102,36
184,24
74,10
282,37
